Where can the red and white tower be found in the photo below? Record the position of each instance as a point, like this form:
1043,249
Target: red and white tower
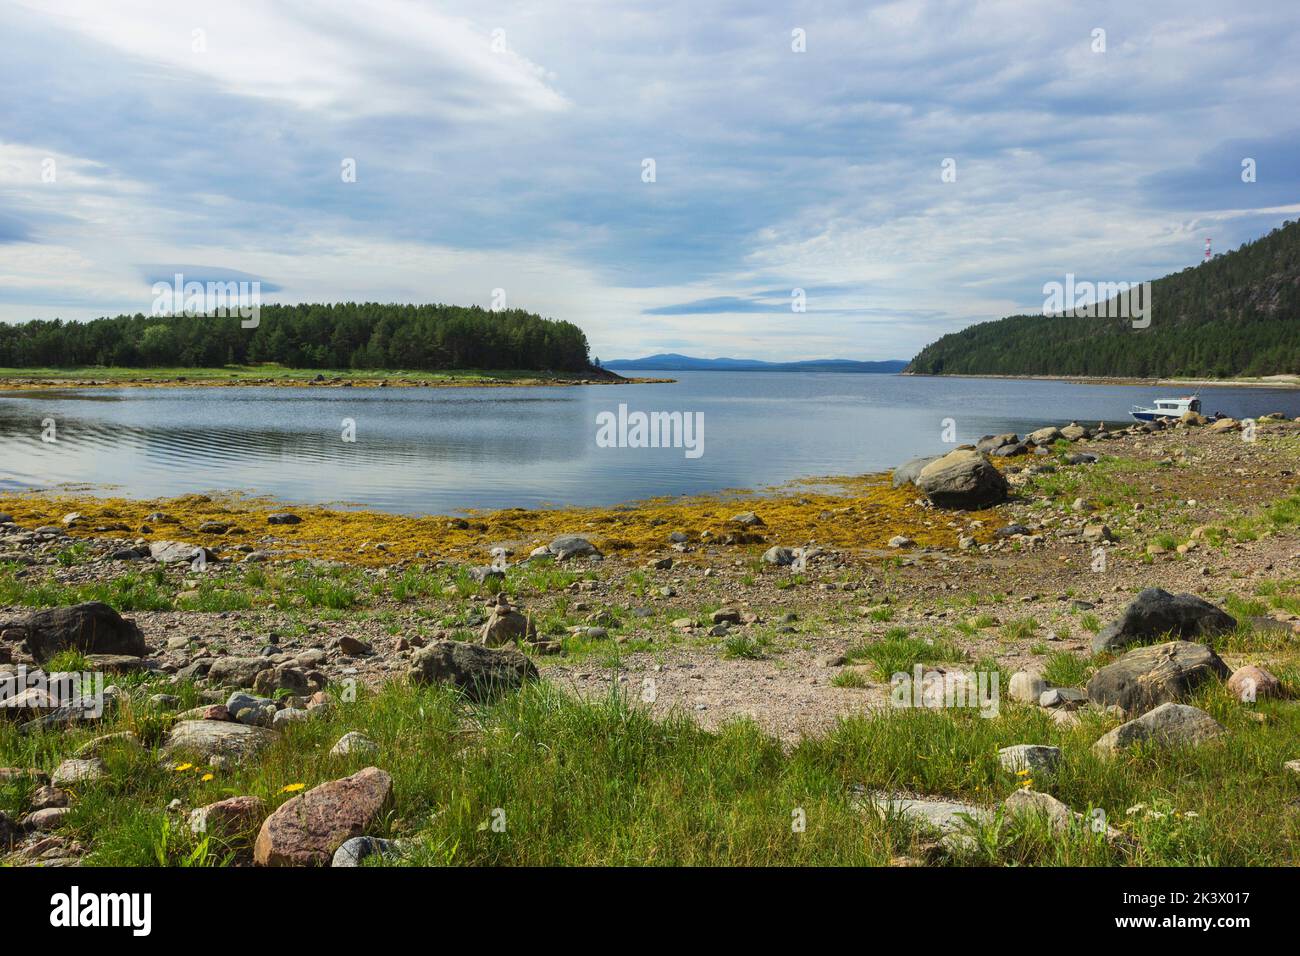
1207,249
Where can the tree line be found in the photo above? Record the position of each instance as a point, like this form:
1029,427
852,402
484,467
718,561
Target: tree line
330,336
1236,315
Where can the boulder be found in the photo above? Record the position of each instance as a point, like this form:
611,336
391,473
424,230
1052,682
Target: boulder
485,573
1155,613
215,738
353,646
77,771
747,519
505,625
290,715
1225,425
228,817
175,552
1251,683
237,671
353,743
283,518
239,701
991,443
1030,803
477,670
50,818
962,479
1035,758
308,829
352,852
1026,687
1169,725
905,474
1010,451
117,663
44,797
1066,697
1044,436
950,818
1096,531
283,677
1161,673
781,557
571,546
92,628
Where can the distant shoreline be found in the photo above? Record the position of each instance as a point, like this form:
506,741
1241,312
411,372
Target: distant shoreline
1270,381
274,376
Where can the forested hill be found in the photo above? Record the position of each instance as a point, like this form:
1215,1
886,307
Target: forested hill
344,335
1238,314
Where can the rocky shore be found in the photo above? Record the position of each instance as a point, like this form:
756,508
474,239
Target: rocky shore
1135,591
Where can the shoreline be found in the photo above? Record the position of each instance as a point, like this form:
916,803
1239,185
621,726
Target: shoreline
1285,382
20,380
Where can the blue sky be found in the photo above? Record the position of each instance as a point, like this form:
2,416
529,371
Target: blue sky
501,146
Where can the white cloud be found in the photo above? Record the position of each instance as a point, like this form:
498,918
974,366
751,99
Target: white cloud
377,57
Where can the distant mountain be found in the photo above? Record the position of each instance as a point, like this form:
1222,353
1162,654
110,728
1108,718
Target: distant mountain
671,362
1238,314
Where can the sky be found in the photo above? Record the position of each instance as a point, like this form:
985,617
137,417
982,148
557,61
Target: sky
912,167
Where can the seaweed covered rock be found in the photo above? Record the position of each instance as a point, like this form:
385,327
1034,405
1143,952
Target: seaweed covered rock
962,479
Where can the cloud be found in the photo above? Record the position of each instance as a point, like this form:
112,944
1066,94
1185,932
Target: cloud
519,165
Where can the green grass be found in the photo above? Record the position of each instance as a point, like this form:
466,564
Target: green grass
899,653
1064,669
849,677
1106,482
601,782
1020,629
746,646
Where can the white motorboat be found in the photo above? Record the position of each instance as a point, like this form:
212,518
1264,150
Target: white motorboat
1167,408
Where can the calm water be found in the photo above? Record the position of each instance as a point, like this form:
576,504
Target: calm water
444,450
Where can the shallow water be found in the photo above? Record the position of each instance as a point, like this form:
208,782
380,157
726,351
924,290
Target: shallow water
440,450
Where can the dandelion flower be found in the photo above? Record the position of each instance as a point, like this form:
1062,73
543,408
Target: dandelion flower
292,787
208,776
182,767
